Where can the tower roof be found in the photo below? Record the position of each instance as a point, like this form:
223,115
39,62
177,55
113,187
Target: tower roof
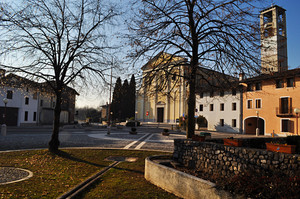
274,6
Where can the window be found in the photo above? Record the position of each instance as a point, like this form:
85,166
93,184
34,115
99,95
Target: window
26,116
9,94
222,107
258,103
233,91
234,106
250,87
285,125
201,107
285,105
222,122
34,116
279,83
233,123
42,101
258,86
221,93
211,93
249,104
290,82
201,95
211,107
26,100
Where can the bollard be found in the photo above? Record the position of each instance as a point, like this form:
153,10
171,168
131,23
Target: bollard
3,130
108,130
257,131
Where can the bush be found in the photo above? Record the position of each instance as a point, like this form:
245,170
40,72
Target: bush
294,140
166,130
132,123
133,129
201,121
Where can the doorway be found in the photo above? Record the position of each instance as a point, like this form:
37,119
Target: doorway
160,114
252,123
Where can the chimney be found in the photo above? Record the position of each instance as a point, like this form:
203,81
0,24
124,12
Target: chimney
241,76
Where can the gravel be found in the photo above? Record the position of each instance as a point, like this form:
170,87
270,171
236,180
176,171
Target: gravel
9,174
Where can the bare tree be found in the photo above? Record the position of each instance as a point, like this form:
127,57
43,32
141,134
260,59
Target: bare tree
61,42
209,35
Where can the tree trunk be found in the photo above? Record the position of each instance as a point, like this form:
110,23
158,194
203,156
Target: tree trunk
191,102
54,142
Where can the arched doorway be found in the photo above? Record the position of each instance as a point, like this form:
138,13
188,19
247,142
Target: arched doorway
251,123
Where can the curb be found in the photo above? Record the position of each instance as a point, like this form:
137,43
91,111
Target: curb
99,148
85,184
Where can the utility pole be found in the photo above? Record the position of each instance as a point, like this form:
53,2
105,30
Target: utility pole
109,105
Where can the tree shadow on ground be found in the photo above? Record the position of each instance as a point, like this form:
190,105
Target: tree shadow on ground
66,155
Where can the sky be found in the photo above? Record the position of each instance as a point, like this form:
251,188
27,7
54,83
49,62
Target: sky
292,8
293,41
95,98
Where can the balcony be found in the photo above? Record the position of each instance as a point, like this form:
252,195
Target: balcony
284,112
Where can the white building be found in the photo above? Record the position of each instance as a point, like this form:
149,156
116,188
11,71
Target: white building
222,110
31,103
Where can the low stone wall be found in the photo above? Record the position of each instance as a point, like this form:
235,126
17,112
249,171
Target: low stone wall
227,160
179,183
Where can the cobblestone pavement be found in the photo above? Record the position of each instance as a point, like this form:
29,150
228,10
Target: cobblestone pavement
148,137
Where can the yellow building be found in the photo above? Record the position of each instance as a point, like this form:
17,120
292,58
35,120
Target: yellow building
163,94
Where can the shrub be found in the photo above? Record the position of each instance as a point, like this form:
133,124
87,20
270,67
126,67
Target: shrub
133,129
132,123
258,185
201,121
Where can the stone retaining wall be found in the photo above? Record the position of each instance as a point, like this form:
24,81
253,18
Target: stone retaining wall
226,160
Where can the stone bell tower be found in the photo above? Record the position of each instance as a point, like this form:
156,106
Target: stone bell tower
273,40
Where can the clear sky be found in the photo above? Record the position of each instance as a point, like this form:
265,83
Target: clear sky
293,30
293,41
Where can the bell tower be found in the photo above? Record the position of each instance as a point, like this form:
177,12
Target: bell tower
273,40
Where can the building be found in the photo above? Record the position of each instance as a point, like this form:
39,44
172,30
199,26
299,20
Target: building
31,103
269,101
221,109
162,101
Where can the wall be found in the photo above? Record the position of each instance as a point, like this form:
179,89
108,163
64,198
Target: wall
213,117
227,161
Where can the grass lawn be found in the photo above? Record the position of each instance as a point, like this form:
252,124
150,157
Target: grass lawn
55,174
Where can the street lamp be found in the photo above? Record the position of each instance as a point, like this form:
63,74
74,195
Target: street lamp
257,129
136,118
297,111
3,127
